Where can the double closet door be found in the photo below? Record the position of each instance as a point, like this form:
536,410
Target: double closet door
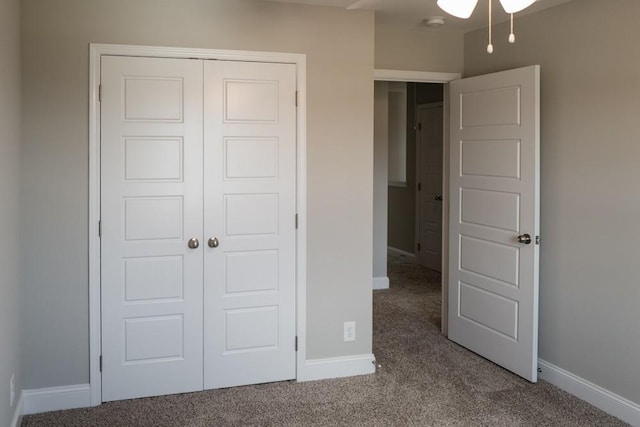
198,182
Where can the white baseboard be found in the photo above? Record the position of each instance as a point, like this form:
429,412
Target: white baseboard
396,251
380,283
56,398
18,411
599,397
337,367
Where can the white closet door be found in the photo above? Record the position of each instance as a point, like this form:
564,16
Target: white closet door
151,178
249,186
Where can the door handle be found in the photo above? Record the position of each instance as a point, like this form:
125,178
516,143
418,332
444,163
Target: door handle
524,239
194,243
438,197
213,242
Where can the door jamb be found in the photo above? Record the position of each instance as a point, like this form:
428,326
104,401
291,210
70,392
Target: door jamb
95,53
444,78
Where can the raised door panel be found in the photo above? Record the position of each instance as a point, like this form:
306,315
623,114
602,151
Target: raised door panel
151,204
494,192
250,152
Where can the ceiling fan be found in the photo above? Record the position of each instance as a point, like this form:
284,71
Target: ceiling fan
464,8
461,9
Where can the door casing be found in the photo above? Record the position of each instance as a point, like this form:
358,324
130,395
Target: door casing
95,53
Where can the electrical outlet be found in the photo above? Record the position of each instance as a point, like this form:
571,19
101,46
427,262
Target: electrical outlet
349,331
12,389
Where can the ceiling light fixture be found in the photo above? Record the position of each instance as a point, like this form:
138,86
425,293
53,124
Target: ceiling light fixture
434,21
464,8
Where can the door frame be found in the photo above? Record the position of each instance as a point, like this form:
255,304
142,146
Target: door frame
444,78
418,159
96,51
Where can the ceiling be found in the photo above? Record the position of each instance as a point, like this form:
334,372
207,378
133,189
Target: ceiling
412,13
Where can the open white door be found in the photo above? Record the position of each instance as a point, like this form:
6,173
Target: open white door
494,217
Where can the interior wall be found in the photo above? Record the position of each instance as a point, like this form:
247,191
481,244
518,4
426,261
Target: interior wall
402,200
340,61
418,49
10,246
590,152
380,177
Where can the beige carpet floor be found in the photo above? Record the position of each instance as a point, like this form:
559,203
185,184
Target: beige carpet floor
424,380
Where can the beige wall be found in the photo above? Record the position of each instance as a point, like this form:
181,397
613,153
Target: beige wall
590,171
10,325
402,201
418,49
340,60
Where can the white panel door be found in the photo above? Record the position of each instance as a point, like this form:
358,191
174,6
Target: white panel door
430,186
151,205
494,217
249,186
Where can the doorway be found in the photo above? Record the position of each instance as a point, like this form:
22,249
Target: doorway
493,183
384,195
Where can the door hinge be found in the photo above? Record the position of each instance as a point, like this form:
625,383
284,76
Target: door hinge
537,240
296,221
296,98
420,126
418,247
296,343
100,228
419,186
100,363
99,93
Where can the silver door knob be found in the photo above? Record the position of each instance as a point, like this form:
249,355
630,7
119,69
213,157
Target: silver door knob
194,243
524,238
438,197
213,242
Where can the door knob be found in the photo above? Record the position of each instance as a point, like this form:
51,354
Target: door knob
213,242
524,238
437,197
194,243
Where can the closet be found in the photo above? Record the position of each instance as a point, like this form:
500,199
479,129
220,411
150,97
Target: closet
198,234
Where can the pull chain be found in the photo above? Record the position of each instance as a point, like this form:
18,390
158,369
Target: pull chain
490,45
512,36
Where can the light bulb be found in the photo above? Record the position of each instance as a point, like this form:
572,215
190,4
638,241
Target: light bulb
459,8
513,6
489,48
512,38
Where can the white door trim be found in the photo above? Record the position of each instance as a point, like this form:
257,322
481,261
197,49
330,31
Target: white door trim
444,78
95,53
414,76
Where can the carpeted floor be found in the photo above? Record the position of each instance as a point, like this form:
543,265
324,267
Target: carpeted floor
424,380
